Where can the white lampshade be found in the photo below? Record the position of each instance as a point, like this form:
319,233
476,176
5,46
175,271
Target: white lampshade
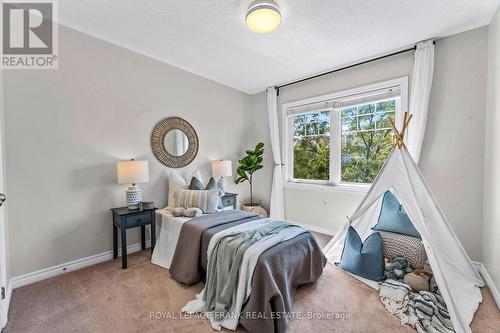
131,172
222,168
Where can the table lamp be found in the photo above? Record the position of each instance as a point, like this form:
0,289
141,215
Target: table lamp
222,169
132,172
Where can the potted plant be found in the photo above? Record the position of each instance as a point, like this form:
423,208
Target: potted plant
248,166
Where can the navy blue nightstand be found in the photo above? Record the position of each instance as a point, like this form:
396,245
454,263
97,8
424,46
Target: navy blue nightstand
124,219
229,199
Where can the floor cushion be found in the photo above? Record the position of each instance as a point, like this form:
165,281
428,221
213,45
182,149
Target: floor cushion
393,217
411,248
363,259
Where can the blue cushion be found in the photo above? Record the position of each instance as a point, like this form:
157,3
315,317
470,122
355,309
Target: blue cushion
393,217
363,259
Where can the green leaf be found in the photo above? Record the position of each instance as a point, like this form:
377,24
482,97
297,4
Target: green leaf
241,172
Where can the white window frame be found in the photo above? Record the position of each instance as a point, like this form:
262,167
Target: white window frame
334,182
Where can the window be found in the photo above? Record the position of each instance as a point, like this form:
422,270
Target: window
311,145
343,138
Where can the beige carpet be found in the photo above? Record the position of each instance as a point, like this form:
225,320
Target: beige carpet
105,298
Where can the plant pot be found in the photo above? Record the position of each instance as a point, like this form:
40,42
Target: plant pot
254,209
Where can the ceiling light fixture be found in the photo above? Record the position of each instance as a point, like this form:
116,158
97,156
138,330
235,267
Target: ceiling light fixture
263,16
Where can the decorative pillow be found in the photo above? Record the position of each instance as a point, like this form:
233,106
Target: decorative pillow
178,211
212,184
405,246
196,184
192,212
206,200
176,181
393,217
363,259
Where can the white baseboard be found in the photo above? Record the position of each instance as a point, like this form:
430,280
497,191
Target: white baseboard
488,281
321,230
46,273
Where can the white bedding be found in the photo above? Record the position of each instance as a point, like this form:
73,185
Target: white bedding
169,229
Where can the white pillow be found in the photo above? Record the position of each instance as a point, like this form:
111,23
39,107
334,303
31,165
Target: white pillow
206,200
196,174
176,181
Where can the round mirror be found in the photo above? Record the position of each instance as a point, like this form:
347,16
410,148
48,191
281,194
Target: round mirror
176,142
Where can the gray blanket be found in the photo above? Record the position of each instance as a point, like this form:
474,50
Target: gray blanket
279,271
185,267
225,262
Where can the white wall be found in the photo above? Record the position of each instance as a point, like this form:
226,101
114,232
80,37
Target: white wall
452,157
66,128
491,225
452,154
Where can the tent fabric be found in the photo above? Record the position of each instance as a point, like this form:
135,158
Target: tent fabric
455,275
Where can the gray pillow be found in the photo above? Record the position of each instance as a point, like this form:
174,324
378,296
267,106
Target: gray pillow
195,184
411,248
212,184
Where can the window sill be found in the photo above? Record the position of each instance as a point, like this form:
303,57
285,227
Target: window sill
328,187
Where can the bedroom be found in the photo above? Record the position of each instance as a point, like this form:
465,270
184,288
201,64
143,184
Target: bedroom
119,71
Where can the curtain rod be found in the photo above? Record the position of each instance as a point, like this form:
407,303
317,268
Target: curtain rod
346,67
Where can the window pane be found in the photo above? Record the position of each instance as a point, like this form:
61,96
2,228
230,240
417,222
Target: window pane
312,129
313,116
349,124
298,130
366,122
367,108
324,116
387,105
382,120
299,119
349,112
324,127
364,149
311,158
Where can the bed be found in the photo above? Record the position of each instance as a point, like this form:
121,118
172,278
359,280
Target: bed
182,246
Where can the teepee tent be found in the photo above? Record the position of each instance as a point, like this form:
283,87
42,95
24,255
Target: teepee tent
455,275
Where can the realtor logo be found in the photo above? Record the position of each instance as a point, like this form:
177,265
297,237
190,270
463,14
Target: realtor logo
29,35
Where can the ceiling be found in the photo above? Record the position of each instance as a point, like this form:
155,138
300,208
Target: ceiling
209,37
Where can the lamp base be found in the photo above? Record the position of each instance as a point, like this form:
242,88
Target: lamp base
222,184
133,197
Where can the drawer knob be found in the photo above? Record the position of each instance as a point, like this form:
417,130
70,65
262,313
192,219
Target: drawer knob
139,220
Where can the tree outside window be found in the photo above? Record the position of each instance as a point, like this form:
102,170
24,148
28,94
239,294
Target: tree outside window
366,139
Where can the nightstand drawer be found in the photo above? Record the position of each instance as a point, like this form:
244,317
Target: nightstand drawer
228,201
134,220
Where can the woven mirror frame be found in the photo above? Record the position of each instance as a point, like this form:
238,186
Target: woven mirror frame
158,138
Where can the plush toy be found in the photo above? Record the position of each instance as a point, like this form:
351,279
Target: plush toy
396,268
187,212
416,282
